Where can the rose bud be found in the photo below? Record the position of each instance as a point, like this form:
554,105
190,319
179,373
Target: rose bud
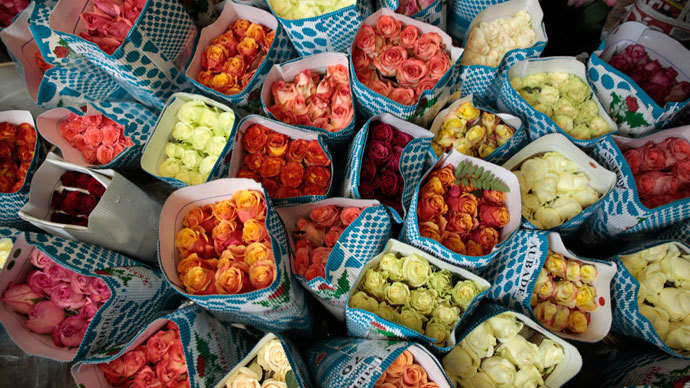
545,313
556,265
577,322
560,320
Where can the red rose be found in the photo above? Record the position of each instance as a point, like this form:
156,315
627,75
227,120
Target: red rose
379,152
410,72
388,26
271,186
494,216
679,92
315,155
291,174
400,139
494,196
314,271
656,183
254,161
619,62
663,78
656,92
271,167
382,132
318,176
652,158
427,46
368,171
634,159
391,184
682,171
393,163
403,96
325,216
287,192
391,59
297,149
634,54
366,190
88,203
249,174
255,138
408,37
70,204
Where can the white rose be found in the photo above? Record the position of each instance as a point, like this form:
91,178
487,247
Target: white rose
200,137
499,370
505,326
676,269
658,318
531,202
656,253
679,338
534,169
478,380
481,341
525,182
558,163
191,159
549,353
545,188
599,126
528,377
215,146
270,383
243,378
461,363
676,302
569,183
567,207
586,196
182,131
272,357
653,280
525,38
547,217
519,351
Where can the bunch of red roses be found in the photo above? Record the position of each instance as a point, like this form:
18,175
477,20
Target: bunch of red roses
110,22
286,167
657,81
17,144
57,300
159,363
231,59
396,62
98,138
380,175
9,9
309,100
461,217
661,171
315,237
76,197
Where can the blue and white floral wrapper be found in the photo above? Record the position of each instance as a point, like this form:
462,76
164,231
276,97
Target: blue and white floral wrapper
462,12
565,370
333,31
363,239
148,62
538,123
514,274
628,104
627,318
434,14
502,153
237,159
358,362
210,347
601,179
280,306
11,203
431,101
411,162
154,150
136,293
281,50
484,82
622,214
137,120
362,323
410,230
316,63
297,365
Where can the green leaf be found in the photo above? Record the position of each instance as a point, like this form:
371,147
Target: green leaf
465,182
479,177
471,172
486,175
291,380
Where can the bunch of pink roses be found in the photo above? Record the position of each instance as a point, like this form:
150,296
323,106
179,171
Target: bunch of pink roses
57,300
396,62
9,9
411,7
98,138
657,81
110,22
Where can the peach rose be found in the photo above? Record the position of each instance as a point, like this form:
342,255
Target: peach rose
438,65
408,37
249,204
384,88
427,46
403,96
410,72
388,26
349,215
262,273
197,280
258,251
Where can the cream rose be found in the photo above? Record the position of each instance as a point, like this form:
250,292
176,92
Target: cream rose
549,353
461,363
675,301
676,269
374,282
658,318
478,380
243,378
272,357
519,351
528,377
448,315
411,319
499,370
397,293
387,312
464,292
423,300
653,280
437,330
505,326
416,270
360,300
679,338
391,265
441,281
481,341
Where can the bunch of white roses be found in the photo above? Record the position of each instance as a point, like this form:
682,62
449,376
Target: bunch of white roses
490,41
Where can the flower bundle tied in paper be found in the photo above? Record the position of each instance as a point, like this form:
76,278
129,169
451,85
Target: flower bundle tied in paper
428,11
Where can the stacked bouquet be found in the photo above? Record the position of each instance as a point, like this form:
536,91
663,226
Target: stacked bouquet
56,300
17,144
98,138
225,248
268,369
396,62
463,208
488,42
300,9
405,371
110,21
75,198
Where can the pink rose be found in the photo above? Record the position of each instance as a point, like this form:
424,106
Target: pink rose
427,46
408,7
382,132
438,65
166,376
349,215
393,163
146,378
635,53
384,88
68,132
64,297
391,59
89,309
304,83
408,37
656,183
174,359
675,148
360,60
400,139
20,297
296,106
325,216
652,158
44,317
98,290
424,4
366,40
682,171
639,76
634,159
663,78
410,72
111,134
181,382
379,152
39,259
341,116
90,154
391,183
40,282
403,96
104,154
70,332
342,95
388,26
158,344
332,236
679,92
93,136
620,62
58,272
283,92
317,108
80,283
338,74
651,67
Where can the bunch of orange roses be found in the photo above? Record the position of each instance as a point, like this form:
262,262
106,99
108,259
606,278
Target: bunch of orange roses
231,59
225,247
17,144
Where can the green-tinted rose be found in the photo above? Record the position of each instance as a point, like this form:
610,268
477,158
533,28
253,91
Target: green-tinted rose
557,78
207,164
173,150
215,146
599,126
565,108
441,281
182,132
581,131
587,110
549,95
374,282
416,270
575,90
564,122
191,159
464,292
392,266
190,112
546,109
169,168
411,319
397,293
360,300
448,315
224,124
423,300
438,331
531,98
208,118
536,79
387,312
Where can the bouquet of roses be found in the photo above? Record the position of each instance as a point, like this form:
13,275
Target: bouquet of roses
97,137
564,295
224,248
9,9
314,101
56,300
294,9
160,362
316,236
657,81
411,7
396,62
405,371
110,22
17,144
286,167
661,171
270,368
463,208
231,59
488,42
380,176
75,198
470,131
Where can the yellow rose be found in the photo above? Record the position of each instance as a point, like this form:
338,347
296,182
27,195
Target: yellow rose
254,231
577,322
464,292
448,315
454,124
360,300
438,331
588,273
476,134
411,319
387,312
374,282
416,270
423,300
396,293
391,265
197,279
467,111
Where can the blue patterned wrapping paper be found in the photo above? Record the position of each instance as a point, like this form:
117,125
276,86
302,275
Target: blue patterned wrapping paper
601,178
411,162
563,371
514,274
626,102
333,31
538,123
362,323
148,61
462,12
137,292
211,347
431,101
679,231
434,14
137,120
154,150
237,158
502,153
358,362
621,214
297,365
280,306
627,318
12,202
484,82
410,229
317,63
281,50
363,239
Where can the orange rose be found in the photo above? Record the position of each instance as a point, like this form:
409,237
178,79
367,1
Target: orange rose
277,144
197,280
249,204
433,185
349,215
239,27
271,186
297,150
262,273
287,192
446,175
486,237
494,196
324,217
235,66
224,210
258,251
430,205
231,254
271,167
268,41
191,240
398,366
381,380
301,262
228,41
224,83
256,32
442,222
291,174
495,216
333,235
229,280
465,203
453,241
224,231
253,231
255,138
430,230
318,176
214,57
205,77
246,78
249,174
315,155
473,249
414,376
188,263
195,217
254,161
249,48
461,223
